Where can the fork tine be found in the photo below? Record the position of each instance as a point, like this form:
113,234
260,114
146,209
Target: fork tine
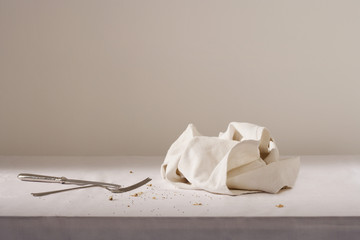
129,188
40,194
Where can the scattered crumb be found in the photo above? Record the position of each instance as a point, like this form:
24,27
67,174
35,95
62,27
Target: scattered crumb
153,197
137,194
131,172
197,204
128,205
149,185
279,206
111,198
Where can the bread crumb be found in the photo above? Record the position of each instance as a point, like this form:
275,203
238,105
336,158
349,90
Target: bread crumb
153,197
137,194
128,205
131,172
279,206
149,185
111,198
197,204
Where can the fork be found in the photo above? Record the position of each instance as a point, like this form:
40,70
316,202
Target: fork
114,188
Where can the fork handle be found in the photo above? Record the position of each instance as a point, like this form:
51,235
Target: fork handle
63,180
40,178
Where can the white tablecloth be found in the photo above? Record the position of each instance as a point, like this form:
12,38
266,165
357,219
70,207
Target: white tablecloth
326,186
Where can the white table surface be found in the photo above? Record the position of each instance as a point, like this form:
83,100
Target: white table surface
326,186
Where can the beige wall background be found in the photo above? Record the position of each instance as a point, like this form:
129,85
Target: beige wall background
89,77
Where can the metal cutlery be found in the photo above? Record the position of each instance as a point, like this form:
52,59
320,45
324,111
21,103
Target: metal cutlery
114,188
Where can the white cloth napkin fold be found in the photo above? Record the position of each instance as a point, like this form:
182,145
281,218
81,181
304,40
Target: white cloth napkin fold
244,159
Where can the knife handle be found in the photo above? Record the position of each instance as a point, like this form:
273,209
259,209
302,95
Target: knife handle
40,178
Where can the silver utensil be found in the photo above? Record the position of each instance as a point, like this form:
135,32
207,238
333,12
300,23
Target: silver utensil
114,188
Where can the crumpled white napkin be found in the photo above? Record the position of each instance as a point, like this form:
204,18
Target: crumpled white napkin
244,159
